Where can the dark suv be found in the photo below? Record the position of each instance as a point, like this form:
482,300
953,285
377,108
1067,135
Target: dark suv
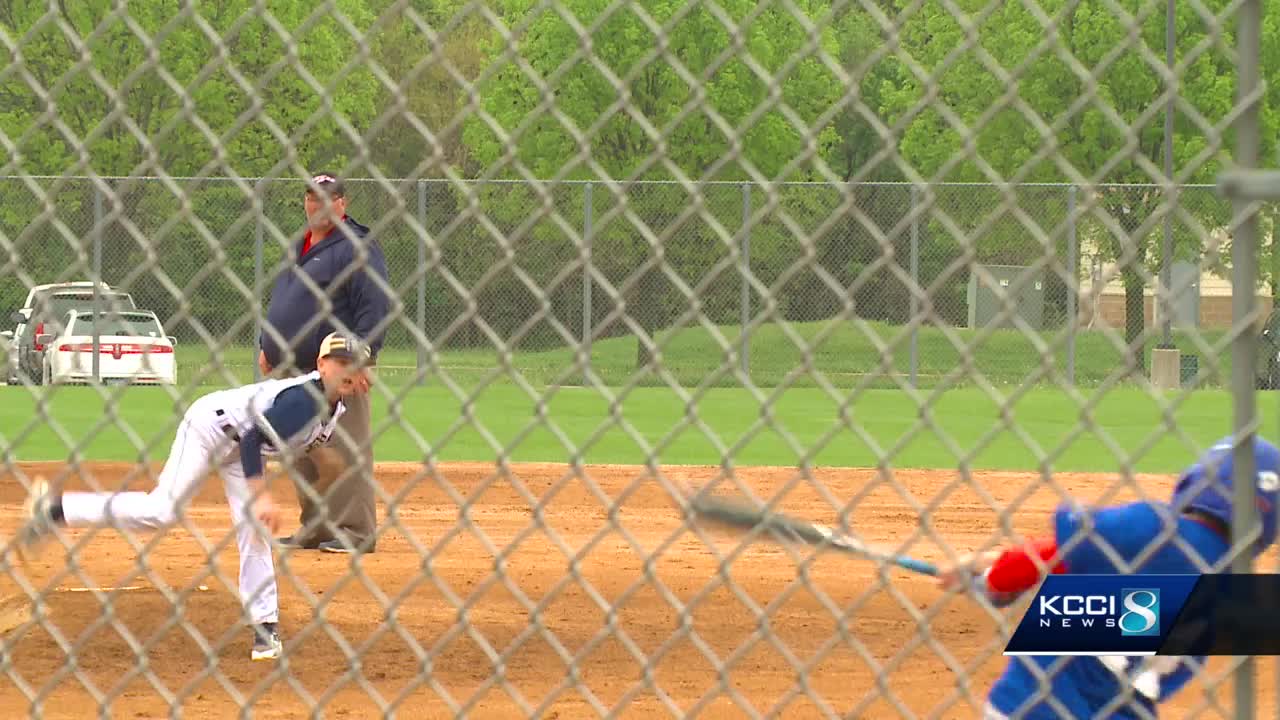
47,316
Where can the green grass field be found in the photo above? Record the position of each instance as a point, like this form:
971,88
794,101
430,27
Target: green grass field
502,416
505,419
845,353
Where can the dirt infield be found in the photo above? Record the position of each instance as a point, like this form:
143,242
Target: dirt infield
646,623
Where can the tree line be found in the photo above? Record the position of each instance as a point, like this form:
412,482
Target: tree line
669,93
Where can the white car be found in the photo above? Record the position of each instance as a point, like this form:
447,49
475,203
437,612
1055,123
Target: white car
132,348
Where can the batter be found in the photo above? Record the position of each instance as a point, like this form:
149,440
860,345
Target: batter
1142,538
229,430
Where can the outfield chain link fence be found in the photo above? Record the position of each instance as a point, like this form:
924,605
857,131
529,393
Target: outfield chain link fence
651,247
1098,292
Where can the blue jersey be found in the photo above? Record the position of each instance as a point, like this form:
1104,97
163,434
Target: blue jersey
1112,687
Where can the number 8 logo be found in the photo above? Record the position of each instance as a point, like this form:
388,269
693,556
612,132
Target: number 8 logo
1140,615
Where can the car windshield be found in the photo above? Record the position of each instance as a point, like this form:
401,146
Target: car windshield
129,324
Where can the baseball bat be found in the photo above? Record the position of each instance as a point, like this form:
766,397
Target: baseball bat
742,516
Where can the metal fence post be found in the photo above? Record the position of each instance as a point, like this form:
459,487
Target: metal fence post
586,280
258,271
1244,513
1073,284
746,274
97,282
915,281
422,281
1165,297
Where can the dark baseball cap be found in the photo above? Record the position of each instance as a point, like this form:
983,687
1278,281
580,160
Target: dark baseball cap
328,183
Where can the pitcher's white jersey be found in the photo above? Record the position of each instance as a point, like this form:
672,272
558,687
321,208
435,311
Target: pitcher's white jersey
210,434
228,431
233,412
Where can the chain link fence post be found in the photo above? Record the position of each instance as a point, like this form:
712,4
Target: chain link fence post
914,315
745,340
1073,285
422,280
1165,296
98,232
259,281
1244,259
586,281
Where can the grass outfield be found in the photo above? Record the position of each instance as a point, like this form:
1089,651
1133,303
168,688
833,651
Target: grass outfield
846,354
803,418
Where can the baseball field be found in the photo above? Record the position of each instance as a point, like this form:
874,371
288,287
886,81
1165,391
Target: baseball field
548,576
509,587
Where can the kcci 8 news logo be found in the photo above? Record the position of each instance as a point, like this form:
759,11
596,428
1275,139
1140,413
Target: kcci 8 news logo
1109,615
1134,611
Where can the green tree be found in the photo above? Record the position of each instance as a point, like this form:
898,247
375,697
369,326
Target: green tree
130,113
657,92
429,48
616,138
1269,265
1093,135
165,91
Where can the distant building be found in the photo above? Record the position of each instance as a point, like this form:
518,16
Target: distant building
1102,298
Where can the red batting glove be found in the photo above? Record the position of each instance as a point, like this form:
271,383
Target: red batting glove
1017,570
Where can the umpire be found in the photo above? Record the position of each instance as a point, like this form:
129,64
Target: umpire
330,256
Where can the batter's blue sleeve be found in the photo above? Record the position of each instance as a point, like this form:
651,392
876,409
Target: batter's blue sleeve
1090,540
292,411
1172,682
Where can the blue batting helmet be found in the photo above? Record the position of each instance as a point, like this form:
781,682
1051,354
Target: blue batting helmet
1212,495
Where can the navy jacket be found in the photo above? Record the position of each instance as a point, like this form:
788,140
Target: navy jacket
359,301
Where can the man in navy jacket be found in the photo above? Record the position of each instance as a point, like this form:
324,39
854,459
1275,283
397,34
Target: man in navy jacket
335,261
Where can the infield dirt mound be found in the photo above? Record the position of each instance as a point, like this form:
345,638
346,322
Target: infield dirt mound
646,615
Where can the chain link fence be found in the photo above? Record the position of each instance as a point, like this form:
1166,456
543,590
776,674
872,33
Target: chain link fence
914,269
1073,267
